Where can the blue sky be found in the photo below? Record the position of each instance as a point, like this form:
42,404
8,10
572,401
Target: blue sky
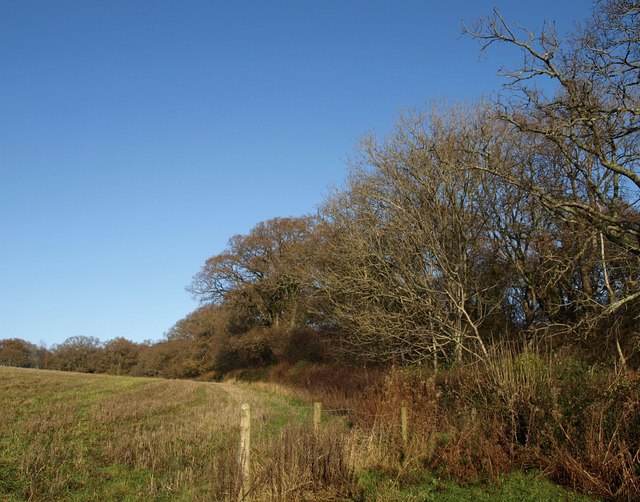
136,137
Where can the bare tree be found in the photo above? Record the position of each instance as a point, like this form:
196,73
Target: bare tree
410,273
587,130
592,120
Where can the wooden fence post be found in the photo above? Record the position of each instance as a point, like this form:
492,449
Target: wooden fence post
317,415
245,452
404,421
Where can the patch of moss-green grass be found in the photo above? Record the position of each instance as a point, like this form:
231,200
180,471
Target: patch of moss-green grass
514,487
280,410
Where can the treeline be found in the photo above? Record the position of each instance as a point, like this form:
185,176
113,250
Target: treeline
119,356
466,227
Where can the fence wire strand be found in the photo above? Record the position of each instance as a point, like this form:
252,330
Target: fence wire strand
361,413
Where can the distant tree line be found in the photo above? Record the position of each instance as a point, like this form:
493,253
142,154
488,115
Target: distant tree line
466,227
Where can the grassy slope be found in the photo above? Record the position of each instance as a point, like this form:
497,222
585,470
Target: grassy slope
77,437
69,436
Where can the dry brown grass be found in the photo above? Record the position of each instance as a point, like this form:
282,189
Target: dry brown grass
90,437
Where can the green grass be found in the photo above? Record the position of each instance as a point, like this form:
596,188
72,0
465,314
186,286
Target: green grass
515,487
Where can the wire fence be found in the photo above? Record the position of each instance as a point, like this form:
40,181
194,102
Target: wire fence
390,417
245,452
353,411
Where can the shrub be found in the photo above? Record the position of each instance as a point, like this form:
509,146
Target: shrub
521,408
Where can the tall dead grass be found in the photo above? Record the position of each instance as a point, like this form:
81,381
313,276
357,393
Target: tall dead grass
523,408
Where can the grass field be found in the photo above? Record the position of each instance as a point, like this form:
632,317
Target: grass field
69,436
78,437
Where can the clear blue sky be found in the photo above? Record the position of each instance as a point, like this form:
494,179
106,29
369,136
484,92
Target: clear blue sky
136,137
